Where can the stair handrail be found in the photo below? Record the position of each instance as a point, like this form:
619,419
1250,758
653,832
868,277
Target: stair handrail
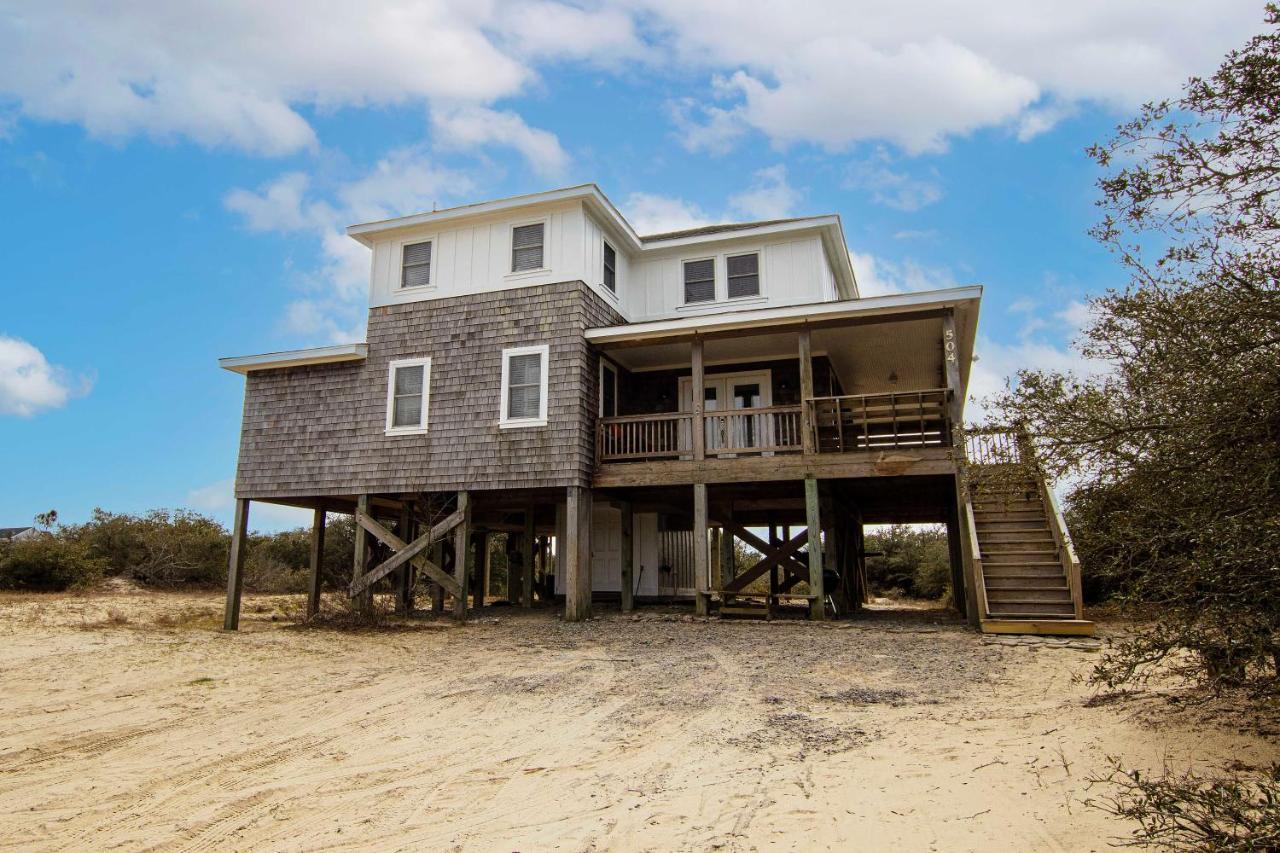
1066,550
979,580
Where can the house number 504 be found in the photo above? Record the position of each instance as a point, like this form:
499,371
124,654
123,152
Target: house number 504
949,344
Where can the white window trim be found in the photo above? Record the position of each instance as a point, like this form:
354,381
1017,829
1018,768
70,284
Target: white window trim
759,294
425,364
715,281
605,364
398,248
545,222
605,244
505,422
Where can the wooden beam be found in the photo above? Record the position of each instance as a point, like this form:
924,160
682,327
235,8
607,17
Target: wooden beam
317,560
404,575
698,401
951,367
437,588
701,555
479,556
364,603
235,565
806,392
817,607
577,557
526,559
772,557
727,567
922,461
365,524
628,558
461,535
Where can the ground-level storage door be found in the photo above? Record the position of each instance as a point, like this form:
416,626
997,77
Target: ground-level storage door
606,549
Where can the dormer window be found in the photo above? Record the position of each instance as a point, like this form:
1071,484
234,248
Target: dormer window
744,275
526,247
699,281
415,265
610,268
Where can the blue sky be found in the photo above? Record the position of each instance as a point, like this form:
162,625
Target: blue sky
174,181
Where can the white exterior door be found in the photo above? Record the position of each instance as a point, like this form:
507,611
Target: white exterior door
606,549
727,391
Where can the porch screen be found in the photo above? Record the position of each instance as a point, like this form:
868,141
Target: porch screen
524,387
526,247
699,281
415,269
744,275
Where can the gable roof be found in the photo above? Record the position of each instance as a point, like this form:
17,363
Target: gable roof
11,532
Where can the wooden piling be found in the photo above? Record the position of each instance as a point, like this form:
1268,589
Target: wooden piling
461,538
317,560
235,565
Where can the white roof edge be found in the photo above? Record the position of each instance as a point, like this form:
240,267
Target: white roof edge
244,364
581,191
869,305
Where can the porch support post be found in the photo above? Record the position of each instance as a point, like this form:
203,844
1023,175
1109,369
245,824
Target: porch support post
561,543
478,564
806,394
577,578
526,559
628,557
727,568
404,575
235,565
364,601
956,558
813,516
697,381
317,559
955,415
461,538
437,591
701,550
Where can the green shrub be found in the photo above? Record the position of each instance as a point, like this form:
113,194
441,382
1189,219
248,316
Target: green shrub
162,547
47,562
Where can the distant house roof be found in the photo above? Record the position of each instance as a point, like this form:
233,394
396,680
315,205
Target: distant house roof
705,230
7,533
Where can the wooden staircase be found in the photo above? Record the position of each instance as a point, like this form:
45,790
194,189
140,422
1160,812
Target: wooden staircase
1028,575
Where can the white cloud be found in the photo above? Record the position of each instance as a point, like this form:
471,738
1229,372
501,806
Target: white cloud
878,276
474,126
29,384
656,214
835,73
234,73
218,499
889,187
404,181
246,74
768,197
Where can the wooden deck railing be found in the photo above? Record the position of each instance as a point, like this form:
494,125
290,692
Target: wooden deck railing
638,437
878,421
994,446
838,425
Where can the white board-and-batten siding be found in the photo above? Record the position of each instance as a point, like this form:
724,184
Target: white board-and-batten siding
473,255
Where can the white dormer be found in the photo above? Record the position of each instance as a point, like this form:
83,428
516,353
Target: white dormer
576,234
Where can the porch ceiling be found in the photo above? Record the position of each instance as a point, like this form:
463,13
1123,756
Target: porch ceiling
876,345
900,355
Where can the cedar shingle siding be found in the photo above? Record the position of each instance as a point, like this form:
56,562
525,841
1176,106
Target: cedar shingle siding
319,430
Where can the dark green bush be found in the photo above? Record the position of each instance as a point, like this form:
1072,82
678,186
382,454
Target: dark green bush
47,562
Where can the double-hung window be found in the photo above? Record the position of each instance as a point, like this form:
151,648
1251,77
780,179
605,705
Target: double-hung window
610,268
524,386
699,281
744,275
415,265
527,247
408,392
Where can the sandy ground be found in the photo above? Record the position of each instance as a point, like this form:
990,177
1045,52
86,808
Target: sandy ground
898,731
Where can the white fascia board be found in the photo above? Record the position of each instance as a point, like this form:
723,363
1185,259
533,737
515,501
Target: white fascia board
588,193
829,221
244,364
787,315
